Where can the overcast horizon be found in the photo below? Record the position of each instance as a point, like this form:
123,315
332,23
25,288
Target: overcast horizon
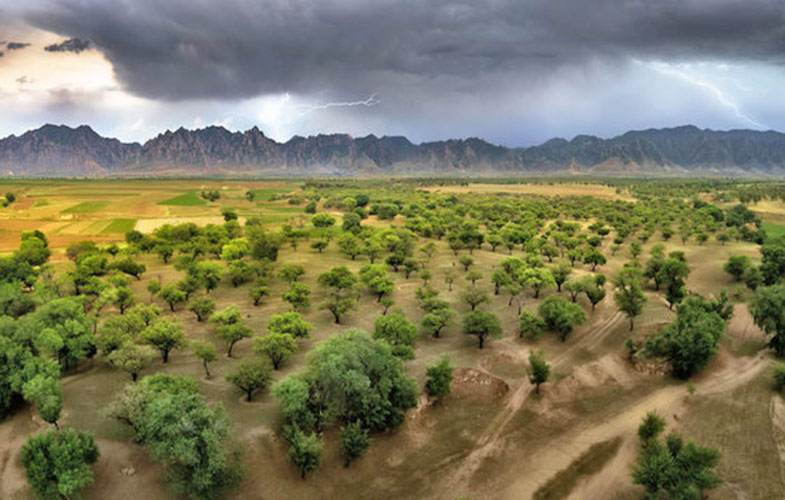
512,73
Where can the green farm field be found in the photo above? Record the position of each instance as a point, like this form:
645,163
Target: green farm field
493,436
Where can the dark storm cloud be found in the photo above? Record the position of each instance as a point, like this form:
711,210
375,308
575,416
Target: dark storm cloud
239,48
75,45
16,45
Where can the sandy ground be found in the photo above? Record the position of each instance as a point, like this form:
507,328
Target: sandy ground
556,189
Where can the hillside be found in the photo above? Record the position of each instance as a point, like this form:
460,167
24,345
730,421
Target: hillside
63,151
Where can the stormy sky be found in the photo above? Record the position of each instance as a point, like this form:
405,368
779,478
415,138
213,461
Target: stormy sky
515,72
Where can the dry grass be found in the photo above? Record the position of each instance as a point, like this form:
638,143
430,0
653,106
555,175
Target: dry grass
556,189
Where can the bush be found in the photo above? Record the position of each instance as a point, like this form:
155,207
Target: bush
57,464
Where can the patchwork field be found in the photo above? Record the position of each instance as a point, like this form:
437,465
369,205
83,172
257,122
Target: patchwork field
69,211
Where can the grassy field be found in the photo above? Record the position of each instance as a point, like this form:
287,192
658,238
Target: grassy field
189,199
87,207
493,437
773,229
120,226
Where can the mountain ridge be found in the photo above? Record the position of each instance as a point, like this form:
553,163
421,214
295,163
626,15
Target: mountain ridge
60,150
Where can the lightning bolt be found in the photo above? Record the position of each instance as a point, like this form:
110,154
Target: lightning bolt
672,71
371,101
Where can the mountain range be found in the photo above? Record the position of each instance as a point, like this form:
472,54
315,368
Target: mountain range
54,150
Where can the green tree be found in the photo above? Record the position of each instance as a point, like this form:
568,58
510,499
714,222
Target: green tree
57,464
466,261
651,426
629,297
691,341
249,376
737,265
14,302
46,393
377,279
653,267
438,378
130,267
595,258
172,295
166,336
33,249
594,288
674,469
132,358
338,278
483,325
202,307
64,331
386,303
236,249
773,260
539,369
278,347
263,244
323,220
353,442
538,278
259,291
144,314
753,278
320,245
298,296
205,352
635,249
291,323
350,244
767,308
153,287
209,274
165,252
192,439
339,305
305,453
239,272
672,275
350,377
449,278
230,327
474,296
398,331
436,319
531,325
189,285
291,272
575,287
561,315
779,376
560,273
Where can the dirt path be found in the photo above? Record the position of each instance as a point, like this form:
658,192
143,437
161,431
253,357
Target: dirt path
561,452
488,443
777,412
669,402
